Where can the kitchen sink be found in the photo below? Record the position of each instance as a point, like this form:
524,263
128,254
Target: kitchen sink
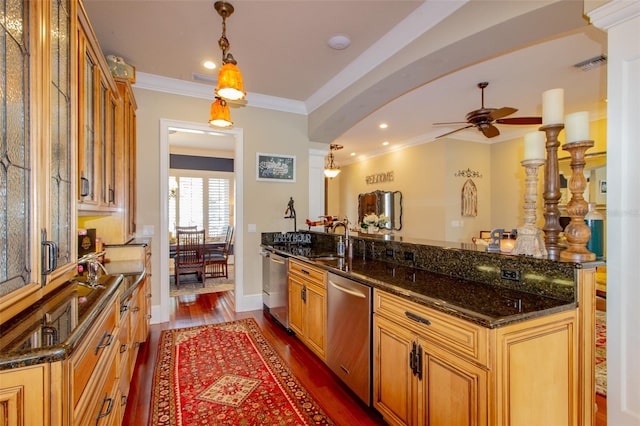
324,257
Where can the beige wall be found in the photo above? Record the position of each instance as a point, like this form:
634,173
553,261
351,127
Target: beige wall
264,202
431,193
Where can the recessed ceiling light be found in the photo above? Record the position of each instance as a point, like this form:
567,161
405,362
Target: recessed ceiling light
209,65
339,42
385,143
353,154
383,125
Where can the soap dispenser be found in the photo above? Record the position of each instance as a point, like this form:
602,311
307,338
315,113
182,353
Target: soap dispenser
341,246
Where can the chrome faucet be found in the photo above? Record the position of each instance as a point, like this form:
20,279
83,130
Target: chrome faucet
347,241
93,267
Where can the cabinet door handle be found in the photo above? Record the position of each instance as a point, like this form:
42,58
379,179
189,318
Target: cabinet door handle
123,400
104,341
304,271
135,309
112,196
123,348
105,413
84,186
417,318
412,359
419,362
49,256
304,294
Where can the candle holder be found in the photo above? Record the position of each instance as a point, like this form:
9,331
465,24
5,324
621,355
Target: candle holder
551,194
529,241
577,232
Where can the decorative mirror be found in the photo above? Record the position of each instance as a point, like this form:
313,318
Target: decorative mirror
388,203
595,171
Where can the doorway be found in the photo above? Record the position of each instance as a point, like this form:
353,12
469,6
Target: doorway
233,141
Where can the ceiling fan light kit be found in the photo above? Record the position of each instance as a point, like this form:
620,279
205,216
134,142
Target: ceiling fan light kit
484,118
230,85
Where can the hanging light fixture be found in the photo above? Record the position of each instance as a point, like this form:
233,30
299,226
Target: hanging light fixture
220,116
230,84
331,170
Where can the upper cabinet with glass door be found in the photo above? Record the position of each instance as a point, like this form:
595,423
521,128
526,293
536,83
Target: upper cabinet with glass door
37,166
97,112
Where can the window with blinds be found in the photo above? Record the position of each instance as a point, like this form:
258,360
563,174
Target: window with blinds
203,201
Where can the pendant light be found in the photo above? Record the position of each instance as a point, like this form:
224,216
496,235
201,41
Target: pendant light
220,116
230,86
331,170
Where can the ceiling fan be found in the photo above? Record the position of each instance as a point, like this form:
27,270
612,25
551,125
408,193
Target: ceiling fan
484,118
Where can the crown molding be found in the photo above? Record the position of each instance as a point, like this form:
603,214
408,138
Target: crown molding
175,86
614,13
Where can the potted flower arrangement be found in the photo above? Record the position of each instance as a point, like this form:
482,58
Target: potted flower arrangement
372,222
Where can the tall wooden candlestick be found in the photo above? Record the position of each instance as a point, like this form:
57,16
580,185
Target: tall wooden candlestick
551,194
577,232
529,241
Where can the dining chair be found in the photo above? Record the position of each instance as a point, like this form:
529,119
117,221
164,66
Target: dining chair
217,259
190,254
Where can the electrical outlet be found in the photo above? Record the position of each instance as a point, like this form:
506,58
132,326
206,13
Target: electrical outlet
409,255
511,275
389,252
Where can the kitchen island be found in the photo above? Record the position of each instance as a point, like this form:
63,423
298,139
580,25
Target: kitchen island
496,339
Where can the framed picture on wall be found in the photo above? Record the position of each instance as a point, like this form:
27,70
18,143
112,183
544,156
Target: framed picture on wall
603,186
275,167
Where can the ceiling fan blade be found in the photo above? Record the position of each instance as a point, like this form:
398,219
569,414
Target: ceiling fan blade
448,123
502,112
520,120
454,131
490,131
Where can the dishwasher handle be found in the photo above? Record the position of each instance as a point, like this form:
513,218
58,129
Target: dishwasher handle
348,290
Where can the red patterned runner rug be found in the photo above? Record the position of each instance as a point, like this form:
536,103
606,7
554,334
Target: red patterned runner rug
227,374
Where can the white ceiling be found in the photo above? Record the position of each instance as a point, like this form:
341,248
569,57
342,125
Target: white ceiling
281,48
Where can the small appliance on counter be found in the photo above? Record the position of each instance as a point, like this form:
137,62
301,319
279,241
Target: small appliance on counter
86,241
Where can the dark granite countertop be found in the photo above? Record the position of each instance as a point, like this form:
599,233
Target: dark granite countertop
484,304
51,329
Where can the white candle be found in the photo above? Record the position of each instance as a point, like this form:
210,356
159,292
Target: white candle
534,146
552,106
577,126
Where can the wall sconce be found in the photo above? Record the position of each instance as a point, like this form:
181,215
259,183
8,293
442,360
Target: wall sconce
331,170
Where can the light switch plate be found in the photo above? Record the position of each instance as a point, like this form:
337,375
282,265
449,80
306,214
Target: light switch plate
251,227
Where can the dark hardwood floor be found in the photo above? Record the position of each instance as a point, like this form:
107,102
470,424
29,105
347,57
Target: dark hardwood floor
337,400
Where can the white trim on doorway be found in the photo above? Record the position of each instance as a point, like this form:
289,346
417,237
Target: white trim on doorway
160,313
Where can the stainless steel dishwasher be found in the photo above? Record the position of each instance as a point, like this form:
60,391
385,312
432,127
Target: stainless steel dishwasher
275,291
349,333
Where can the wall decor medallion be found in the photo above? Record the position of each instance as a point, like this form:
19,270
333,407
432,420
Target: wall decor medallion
275,167
469,199
468,173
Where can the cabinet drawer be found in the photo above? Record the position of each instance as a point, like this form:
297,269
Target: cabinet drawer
453,334
101,408
309,272
87,357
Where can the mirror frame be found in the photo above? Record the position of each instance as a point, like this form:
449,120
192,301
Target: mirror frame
593,161
395,222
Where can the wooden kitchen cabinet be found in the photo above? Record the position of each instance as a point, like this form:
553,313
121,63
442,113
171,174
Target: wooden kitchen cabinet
308,305
92,370
127,155
98,111
432,369
24,396
39,246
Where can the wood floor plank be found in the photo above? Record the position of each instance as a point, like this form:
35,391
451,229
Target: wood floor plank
336,399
